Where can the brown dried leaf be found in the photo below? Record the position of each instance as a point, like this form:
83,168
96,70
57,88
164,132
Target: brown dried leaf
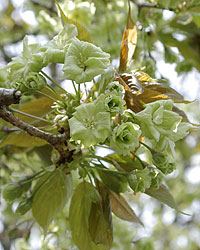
181,113
128,43
121,208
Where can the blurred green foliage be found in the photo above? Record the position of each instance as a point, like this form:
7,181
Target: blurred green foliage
167,30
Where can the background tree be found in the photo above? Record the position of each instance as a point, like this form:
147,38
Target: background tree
163,39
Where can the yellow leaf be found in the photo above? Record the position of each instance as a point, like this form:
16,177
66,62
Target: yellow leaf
128,43
143,77
22,139
139,90
39,107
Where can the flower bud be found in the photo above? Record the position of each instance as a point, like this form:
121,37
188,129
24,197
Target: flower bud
139,180
160,160
125,138
35,81
156,180
82,172
115,87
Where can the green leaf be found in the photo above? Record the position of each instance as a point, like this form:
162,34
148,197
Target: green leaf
170,56
64,19
162,194
13,191
78,217
100,220
51,194
196,19
24,206
121,208
124,163
45,153
113,181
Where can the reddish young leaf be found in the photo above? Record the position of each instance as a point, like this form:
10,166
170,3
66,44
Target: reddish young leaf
128,43
167,91
121,208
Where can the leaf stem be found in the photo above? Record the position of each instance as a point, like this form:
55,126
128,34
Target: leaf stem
88,174
55,83
75,88
137,157
29,115
79,92
34,176
55,93
150,149
46,95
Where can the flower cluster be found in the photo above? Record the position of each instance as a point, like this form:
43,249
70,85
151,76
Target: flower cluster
99,116
161,126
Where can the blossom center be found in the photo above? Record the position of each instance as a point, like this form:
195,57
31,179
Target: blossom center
90,123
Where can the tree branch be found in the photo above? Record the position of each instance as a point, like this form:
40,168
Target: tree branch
9,96
31,130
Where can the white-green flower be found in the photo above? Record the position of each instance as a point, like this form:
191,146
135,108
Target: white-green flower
113,102
115,87
125,138
90,124
139,180
161,125
31,60
35,81
57,47
163,162
84,61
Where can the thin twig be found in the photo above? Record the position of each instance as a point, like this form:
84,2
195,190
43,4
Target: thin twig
29,115
31,130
